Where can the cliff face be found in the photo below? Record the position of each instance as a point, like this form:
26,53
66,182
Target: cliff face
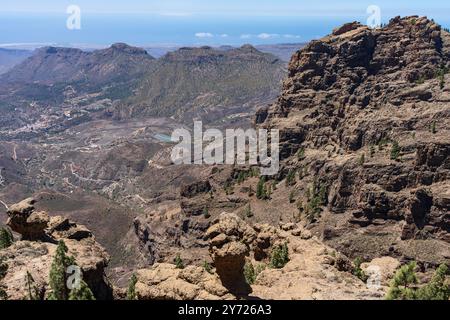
364,117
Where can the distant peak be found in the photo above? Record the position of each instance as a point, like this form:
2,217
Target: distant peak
248,47
123,47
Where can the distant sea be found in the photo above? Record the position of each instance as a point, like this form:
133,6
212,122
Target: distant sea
98,30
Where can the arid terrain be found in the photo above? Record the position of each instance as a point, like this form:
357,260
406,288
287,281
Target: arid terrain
364,180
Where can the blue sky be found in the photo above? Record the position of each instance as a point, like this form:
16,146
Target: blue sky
194,22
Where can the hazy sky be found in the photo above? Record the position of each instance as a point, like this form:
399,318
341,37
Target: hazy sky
145,22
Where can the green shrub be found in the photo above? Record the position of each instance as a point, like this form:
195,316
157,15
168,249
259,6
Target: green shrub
395,150
433,129
207,266
206,213
357,271
300,153
280,256
131,292
249,273
261,189
6,238
291,197
421,80
290,178
317,197
3,270
179,262
248,211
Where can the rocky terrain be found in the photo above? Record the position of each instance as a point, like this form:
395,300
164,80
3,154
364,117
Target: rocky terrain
363,118
364,115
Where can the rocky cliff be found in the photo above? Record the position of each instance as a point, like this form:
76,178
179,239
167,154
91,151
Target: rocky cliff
364,118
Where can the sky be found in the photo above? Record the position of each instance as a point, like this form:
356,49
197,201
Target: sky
192,22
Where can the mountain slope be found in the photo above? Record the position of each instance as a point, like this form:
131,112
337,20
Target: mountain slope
197,78
9,58
53,65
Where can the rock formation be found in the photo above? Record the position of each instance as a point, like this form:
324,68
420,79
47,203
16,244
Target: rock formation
229,244
368,110
35,251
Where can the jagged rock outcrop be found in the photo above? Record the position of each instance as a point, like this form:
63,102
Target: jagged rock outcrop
230,240
368,111
24,220
166,282
34,253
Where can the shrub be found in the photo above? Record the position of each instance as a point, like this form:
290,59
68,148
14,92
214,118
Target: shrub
317,197
131,292
6,238
280,256
248,211
395,150
433,129
206,213
421,80
357,271
179,262
207,266
3,269
249,273
261,190
290,178
291,197
300,153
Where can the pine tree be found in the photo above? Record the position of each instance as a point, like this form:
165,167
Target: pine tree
58,275
179,262
290,178
131,292
82,293
437,288
261,191
6,238
401,285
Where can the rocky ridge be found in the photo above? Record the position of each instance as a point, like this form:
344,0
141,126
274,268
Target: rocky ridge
35,250
364,116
